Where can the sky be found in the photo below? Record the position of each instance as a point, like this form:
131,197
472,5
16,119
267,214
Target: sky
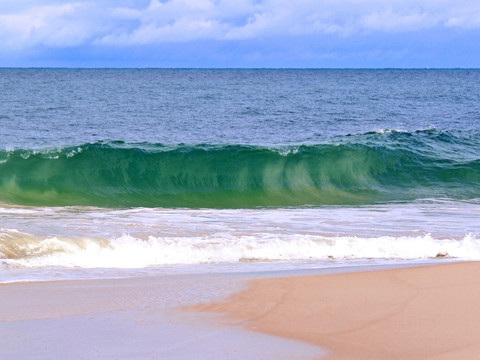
240,33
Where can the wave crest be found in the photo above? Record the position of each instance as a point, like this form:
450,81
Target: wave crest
372,169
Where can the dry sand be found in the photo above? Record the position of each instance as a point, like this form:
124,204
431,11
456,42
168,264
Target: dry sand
428,312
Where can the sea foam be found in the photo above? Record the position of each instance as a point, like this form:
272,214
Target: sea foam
130,252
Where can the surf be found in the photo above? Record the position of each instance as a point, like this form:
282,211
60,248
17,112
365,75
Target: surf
371,168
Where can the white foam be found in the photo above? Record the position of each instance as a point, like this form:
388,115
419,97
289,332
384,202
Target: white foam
288,151
389,131
76,237
130,252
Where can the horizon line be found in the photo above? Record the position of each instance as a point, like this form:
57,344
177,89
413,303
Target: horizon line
225,68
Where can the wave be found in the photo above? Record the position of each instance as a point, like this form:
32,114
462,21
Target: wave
24,250
375,167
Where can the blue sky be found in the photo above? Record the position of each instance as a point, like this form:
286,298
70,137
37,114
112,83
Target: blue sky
240,33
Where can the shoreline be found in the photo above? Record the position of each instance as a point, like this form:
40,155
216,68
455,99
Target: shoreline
127,318
409,313
414,312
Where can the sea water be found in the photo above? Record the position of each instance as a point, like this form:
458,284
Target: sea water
114,172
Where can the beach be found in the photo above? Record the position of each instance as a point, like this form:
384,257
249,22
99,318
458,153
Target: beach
426,312
405,313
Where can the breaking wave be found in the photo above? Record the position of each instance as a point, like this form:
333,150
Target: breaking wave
375,167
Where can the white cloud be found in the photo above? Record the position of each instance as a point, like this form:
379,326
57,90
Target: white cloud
27,23
388,20
59,25
466,17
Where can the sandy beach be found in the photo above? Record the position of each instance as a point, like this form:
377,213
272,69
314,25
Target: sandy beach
427,312
422,312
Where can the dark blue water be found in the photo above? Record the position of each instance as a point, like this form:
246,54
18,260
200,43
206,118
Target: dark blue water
41,108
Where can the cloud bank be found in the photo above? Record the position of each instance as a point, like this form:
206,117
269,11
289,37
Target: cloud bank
62,24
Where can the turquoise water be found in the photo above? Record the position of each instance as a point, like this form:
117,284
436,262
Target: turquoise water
366,169
288,164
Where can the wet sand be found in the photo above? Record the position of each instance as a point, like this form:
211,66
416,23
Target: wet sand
134,318
410,313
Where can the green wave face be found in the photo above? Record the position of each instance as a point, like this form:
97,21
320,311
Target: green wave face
367,169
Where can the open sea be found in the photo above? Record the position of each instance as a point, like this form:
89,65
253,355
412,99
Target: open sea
118,172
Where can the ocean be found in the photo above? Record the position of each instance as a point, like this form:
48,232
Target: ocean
118,172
